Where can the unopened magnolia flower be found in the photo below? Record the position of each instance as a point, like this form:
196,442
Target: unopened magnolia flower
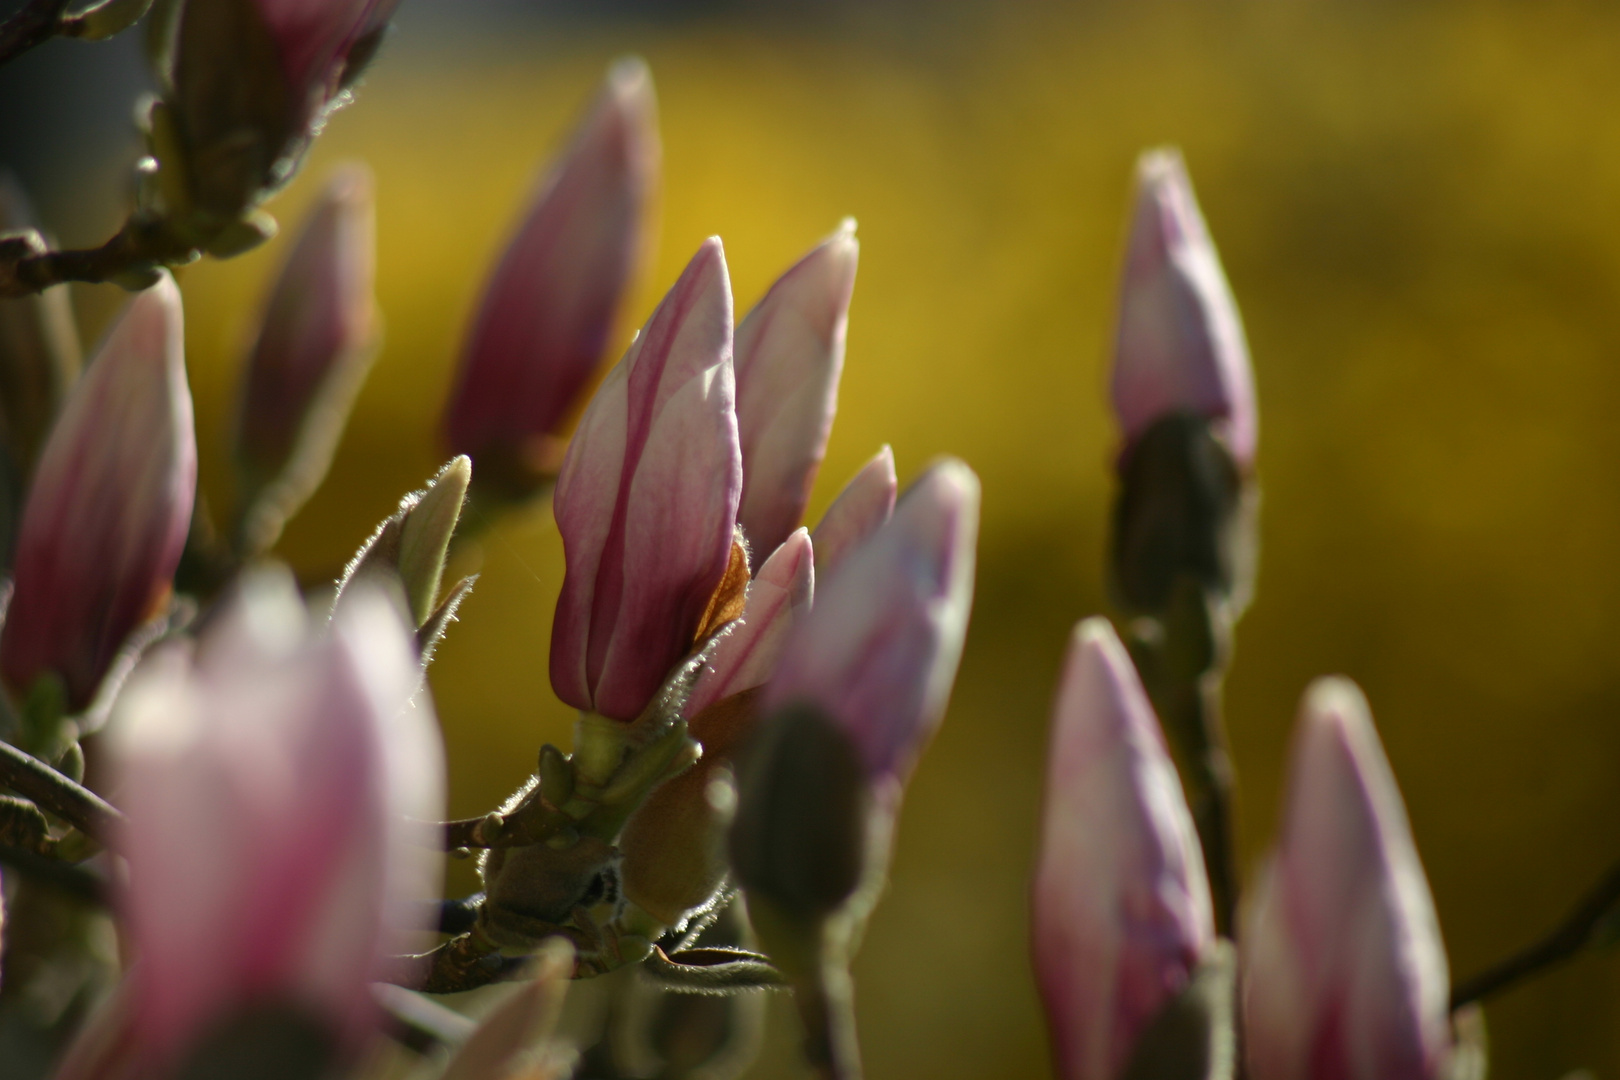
865,503
879,650
1344,973
790,352
647,501
250,85
1180,344
544,319
269,775
1121,905
107,515
313,350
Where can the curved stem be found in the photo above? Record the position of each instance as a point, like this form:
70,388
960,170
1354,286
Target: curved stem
1565,940
68,800
35,24
143,242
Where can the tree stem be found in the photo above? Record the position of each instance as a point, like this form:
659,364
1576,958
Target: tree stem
1565,940
68,800
35,24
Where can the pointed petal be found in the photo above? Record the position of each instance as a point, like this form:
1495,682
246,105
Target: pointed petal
790,352
865,503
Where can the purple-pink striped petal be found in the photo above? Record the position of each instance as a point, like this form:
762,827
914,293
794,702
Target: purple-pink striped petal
646,501
109,507
790,352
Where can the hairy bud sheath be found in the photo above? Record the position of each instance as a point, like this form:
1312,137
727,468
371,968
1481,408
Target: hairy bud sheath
271,775
1121,905
1180,344
879,650
790,353
544,319
647,501
866,503
313,350
1344,972
110,506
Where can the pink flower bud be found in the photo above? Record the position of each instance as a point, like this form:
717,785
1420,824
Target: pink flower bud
314,348
879,650
1121,907
790,352
865,503
269,776
546,313
744,657
1180,345
110,505
1344,971
316,38
647,501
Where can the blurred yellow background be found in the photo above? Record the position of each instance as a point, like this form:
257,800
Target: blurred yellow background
1418,206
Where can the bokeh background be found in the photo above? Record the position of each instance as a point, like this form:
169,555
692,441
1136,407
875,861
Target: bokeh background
1418,205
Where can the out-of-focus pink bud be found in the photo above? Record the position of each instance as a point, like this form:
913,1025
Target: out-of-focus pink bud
546,313
313,351
316,39
743,658
269,777
790,352
1180,345
647,501
879,650
110,505
865,503
1121,905
1344,972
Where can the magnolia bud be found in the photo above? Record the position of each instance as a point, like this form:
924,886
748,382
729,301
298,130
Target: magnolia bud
790,352
271,777
547,310
865,503
1121,906
107,515
1344,973
880,648
647,501
313,351
1180,344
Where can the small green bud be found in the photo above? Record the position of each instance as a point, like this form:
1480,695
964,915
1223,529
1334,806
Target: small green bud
425,539
104,20
242,235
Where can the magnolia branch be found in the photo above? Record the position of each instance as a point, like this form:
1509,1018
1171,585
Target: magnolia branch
67,799
1567,939
27,266
35,24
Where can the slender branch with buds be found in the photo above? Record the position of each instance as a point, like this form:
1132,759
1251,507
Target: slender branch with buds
68,800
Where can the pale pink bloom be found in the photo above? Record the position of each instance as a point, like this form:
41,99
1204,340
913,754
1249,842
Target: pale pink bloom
1121,909
316,339
1344,973
647,501
743,658
268,776
790,352
109,507
880,648
865,503
1180,344
544,319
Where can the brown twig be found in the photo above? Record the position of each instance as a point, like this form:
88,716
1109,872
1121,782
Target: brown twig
1566,940
68,800
35,24
144,242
